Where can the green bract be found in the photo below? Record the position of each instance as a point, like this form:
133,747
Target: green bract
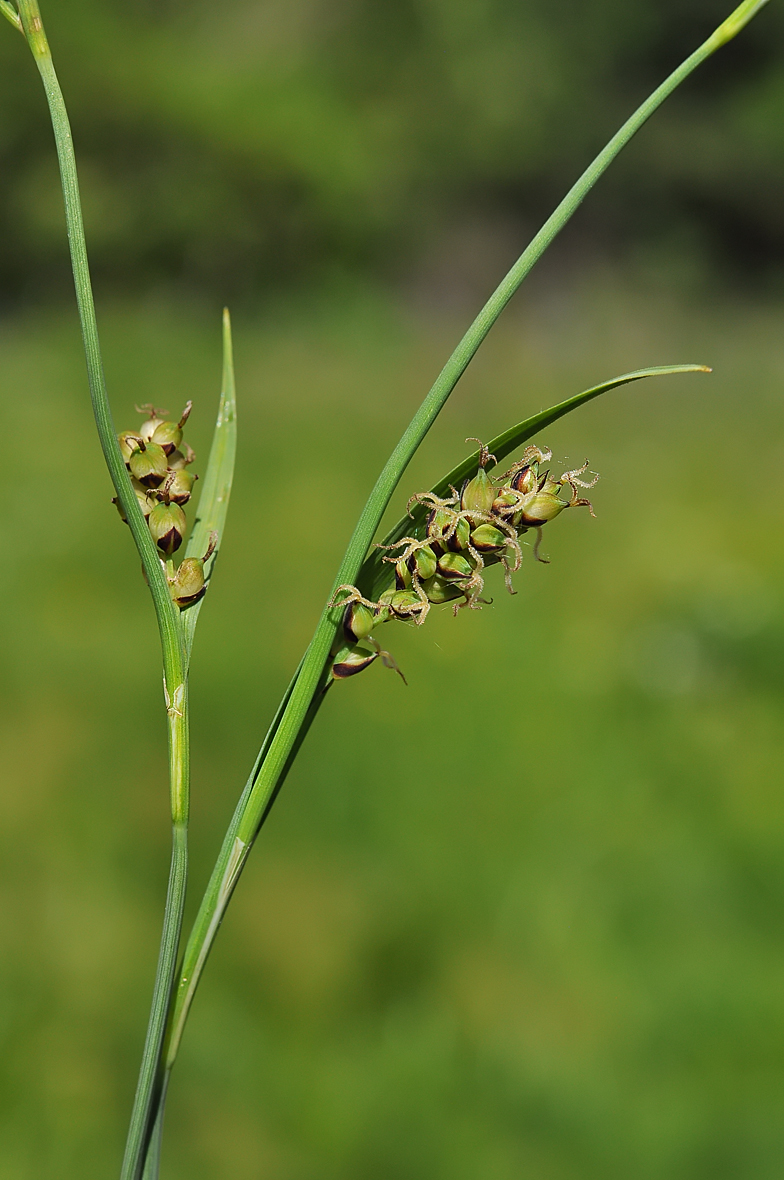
487,538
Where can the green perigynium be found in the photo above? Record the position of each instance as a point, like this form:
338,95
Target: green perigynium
147,463
157,429
187,584
179,486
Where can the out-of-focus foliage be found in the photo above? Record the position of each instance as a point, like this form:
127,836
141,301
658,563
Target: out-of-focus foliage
521,919
518,921
224,146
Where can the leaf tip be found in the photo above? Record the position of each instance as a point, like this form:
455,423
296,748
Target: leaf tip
736,21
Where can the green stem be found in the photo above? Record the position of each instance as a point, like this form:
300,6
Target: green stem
261,789
228,867
151,1084
175,687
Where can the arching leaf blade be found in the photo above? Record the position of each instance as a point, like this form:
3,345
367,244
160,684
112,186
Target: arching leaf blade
376,574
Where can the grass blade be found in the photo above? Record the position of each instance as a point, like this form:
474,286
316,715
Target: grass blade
376,574
218,478
10,13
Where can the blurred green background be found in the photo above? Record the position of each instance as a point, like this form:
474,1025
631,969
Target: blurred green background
523,918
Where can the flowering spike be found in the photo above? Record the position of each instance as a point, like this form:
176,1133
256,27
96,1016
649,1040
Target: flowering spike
463,534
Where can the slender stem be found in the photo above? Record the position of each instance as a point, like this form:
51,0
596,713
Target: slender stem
228,867
153,1161
302,701
150,1086
174,666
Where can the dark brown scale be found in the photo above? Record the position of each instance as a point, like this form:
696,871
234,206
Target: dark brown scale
460,537
402,576
343,669
519,478
347,631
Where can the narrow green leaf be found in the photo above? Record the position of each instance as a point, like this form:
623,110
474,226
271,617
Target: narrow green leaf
216,488
376,574
10,13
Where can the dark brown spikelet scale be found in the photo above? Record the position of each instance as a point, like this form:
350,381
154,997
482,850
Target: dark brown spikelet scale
348,616
352,663
519,480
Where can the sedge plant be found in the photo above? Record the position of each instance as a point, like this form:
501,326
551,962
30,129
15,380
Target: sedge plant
439,552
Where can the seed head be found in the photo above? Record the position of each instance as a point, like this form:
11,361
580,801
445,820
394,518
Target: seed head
464,533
